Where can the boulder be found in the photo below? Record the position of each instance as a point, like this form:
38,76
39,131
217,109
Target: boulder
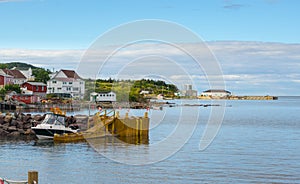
29,132
1,120
14,134
20,124
3,132
21,131
13,122
8,118
5,126
27,126
27,118
12,129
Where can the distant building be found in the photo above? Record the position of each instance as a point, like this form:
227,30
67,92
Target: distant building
188,91
216,93
18,77
28,74
67,82
5,79
103,97
28,99
34,88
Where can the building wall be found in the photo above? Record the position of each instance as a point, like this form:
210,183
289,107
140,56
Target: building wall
215,94
106,97
75,87
4,80
28,99
19,81
35,88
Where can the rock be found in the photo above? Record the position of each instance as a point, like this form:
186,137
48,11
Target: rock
8,118
1,120
21,131
13,122
27,126
14,134
12,129
3,132
20,124
27,118
5,126
29,132
39,117
36,117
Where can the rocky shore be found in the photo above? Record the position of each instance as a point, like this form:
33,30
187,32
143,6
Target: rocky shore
18,125
15,125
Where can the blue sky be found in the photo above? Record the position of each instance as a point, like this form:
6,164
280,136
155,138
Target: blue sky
75,24
256,42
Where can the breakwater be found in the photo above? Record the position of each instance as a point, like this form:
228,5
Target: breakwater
18,125
15,125
239,98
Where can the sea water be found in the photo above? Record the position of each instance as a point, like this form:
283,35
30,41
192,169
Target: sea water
258,142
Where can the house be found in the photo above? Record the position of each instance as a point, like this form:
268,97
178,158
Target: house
34,88
103,97
31,92
28,99
18,77
216,93
5,79
66,82
28,74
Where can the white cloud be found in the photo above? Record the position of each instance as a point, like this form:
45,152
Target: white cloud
254,67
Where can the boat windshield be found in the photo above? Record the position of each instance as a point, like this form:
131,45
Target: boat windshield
53,119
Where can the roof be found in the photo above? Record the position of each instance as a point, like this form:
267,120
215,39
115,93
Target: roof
216,91
15,73
71,74
36,83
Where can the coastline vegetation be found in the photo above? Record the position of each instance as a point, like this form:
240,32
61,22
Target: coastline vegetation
131,90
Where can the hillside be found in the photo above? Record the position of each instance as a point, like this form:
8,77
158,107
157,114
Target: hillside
129,90
18,65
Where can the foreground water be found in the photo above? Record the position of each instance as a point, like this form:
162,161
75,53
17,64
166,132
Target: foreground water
258,142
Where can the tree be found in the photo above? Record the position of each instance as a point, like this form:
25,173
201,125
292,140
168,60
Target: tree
41,75
12,87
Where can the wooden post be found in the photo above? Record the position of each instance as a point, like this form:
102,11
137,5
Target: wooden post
33,177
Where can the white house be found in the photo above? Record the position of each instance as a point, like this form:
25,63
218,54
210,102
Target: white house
103,97
216,93
28,74
66,82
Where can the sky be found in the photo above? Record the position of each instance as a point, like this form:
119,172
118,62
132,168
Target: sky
256,43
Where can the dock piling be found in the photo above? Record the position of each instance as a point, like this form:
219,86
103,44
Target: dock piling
33,177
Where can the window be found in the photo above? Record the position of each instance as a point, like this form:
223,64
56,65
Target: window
58,88
64,82
75,89
70,82
36,88
54,82
69,88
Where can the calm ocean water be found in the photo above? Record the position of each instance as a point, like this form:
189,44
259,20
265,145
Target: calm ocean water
258,142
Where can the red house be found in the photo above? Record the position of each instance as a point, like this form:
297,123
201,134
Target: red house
32,92
28,99
5,79
34,88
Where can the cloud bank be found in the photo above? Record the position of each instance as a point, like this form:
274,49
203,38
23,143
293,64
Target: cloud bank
254,68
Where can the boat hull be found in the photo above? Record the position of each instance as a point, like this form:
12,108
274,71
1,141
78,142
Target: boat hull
48,133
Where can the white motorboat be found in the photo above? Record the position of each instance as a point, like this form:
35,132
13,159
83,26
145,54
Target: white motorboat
53,124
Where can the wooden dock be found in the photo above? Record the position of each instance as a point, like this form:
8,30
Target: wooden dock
132,130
